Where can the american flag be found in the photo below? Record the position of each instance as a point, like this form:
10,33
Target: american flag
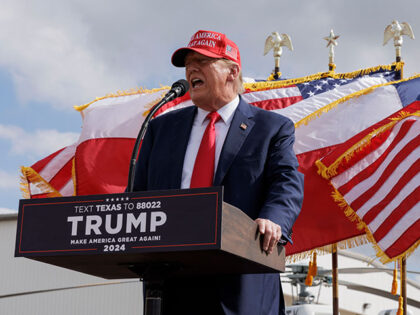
314,104
378,181
54,175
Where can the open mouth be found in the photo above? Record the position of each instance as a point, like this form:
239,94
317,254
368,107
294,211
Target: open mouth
196,83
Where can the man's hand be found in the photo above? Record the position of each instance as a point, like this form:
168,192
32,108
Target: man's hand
272,234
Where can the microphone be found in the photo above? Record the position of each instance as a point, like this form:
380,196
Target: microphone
179,88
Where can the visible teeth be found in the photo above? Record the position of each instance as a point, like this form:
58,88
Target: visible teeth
195,81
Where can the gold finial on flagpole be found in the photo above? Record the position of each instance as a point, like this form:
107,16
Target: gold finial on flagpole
396,30
332,41
275,42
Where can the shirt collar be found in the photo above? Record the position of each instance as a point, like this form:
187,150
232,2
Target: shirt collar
226,112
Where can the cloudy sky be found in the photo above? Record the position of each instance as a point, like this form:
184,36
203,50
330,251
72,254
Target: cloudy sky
56,54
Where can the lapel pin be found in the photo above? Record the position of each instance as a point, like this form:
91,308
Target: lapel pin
243,126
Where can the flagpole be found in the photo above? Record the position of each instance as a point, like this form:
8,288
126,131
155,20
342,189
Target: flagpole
404,284
335,279
332,42
275,41
403,260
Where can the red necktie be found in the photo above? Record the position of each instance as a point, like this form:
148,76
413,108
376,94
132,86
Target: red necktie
203,172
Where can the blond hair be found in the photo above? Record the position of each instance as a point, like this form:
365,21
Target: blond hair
239,81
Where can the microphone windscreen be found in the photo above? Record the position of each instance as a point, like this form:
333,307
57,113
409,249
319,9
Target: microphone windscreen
180,87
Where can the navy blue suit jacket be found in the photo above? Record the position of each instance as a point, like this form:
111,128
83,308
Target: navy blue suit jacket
258,169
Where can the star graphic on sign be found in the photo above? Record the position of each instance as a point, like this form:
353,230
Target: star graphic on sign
332,39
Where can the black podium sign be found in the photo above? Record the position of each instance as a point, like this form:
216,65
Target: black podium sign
128,222
124,235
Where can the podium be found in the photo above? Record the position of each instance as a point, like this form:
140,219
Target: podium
149,235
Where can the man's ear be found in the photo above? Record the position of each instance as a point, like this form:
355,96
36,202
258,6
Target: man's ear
233,72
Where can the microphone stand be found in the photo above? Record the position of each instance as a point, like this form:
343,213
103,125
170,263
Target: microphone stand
153,276
140,136
153,286
179,88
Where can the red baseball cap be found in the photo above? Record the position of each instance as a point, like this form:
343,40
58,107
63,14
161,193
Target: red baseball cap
210,44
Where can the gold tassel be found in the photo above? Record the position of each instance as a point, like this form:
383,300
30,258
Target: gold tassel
400,300
314,270
400,306
309,278
394,281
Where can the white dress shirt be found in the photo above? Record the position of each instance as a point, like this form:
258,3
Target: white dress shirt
199,126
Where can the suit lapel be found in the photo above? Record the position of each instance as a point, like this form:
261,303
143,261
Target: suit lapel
240,128
179,141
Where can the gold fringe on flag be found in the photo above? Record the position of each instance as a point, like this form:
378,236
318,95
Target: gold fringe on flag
256,86
334,104
331,171
338,198
30,176
322,250
24,185
121,93
73,174
150,105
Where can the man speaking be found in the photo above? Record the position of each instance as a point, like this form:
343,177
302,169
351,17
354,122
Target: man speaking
223,141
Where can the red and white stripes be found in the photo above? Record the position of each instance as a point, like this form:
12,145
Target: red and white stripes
383,186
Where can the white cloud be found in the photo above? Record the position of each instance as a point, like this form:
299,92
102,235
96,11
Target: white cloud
48,51
69,52
7,211
37,143
9,180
